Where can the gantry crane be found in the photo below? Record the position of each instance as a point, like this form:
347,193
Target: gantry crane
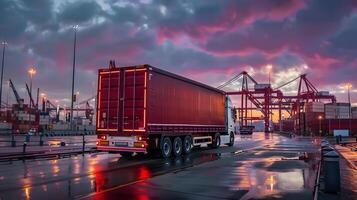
266,99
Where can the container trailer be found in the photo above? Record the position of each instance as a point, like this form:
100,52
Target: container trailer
143,109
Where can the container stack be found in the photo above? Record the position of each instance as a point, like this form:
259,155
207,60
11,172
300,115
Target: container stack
354,112
337,111
314,113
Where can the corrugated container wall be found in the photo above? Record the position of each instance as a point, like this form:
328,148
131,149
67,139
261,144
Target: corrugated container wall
337,111
314,107
354,112
174,101
140,99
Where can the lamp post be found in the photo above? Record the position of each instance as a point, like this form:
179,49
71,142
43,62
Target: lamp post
75,29
4,43
269,67
320,131
77,100
349,86
43,99
32,72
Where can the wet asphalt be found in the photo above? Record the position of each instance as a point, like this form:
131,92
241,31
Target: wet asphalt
261,166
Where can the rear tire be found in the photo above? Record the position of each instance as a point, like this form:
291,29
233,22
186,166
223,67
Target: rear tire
231,139
125,154
177,146
166,147
187,144
216,141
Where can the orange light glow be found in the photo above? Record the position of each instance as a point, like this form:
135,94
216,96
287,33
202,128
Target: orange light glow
27,192
32,71
109,72
269,67
135,130
136,70
348,86
104,129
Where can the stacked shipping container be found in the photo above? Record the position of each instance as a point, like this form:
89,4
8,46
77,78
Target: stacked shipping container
354,112
310,120
337,111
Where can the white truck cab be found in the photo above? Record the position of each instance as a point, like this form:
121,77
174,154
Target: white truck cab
228,138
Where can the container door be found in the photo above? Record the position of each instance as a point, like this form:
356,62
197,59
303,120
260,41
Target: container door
134,100
108,101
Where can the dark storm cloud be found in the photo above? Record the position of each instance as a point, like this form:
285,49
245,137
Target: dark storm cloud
206,40
78,12
12,22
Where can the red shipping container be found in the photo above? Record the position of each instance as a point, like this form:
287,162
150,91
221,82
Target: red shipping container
142,99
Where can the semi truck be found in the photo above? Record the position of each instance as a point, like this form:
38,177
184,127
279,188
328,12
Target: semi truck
143,109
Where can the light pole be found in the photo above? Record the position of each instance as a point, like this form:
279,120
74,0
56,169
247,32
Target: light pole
349,86
4,43
32,72
75,28
320,131
77,98
43,99
269,67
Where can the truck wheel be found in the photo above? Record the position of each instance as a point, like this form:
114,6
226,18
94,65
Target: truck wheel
217,141
231,139
125,154
177,146
166,147
187,144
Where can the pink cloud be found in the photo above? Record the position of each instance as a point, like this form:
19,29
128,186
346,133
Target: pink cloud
232,16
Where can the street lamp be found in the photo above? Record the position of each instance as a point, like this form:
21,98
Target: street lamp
349,86
77,98
43,99
75,29
320,118
32,72
269,67
4,43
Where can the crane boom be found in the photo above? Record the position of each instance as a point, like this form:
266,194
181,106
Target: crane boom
32,103
18,99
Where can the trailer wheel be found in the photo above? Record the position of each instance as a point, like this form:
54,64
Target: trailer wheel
166,147
216,141
231,139
187,144
177,146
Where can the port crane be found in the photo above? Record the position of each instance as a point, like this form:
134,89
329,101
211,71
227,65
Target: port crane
267,99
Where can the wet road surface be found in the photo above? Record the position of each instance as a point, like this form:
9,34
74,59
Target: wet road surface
268,167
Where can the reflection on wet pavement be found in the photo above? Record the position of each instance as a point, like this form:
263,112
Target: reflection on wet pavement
269,167
259,173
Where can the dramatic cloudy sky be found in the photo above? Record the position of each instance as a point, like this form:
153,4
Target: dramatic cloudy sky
206,40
